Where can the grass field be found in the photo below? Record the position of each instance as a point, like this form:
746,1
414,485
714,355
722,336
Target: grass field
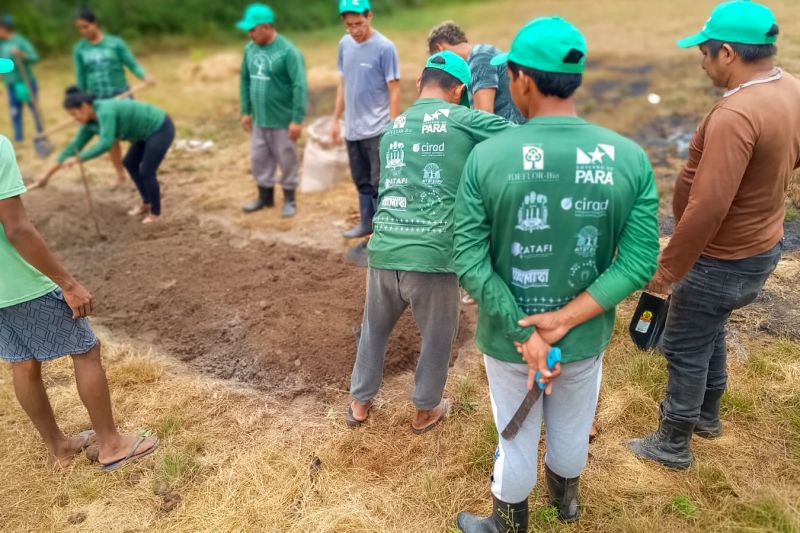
237,459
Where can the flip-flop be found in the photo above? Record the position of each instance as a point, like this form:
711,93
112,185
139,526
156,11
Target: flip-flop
85,436
132,455
351,420
430,426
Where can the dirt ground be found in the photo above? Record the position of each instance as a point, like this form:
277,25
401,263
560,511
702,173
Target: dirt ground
272,315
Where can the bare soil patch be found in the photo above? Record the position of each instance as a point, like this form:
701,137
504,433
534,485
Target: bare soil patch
276,316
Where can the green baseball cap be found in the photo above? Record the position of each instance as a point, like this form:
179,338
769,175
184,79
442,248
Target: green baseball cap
254,15
354,6
6,65
741,22
550,44
454,65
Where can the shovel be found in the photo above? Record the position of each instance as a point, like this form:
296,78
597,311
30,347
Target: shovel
91,203
42,145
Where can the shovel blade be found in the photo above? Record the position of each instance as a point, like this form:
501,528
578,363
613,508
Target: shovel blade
43,147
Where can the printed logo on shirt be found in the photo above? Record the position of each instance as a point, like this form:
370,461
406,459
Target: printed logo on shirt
587,242
390,182
532,157
399,122
529,279
432,175
531,251
582,274
532,214
428,149
395,157
586,208
259,65
431,201
595,167
394,203
435,122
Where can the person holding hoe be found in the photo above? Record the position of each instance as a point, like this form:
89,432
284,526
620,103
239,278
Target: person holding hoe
273,92
149,129
556,219
100,62
43,312
20,83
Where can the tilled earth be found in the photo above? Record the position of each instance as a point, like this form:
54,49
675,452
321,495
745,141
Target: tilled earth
276,316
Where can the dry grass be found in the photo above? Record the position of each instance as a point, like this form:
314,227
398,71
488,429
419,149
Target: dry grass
242,461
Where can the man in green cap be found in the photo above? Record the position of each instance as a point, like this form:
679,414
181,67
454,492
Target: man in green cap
273,92
369,96
556,219
410,253
729,213
21,85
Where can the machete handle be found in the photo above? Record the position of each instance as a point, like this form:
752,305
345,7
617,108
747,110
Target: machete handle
553,358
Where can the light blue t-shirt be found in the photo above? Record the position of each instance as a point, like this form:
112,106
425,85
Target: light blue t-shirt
366,68
487,76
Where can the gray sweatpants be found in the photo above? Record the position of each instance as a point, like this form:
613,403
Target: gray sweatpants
271,148
434,301
568,413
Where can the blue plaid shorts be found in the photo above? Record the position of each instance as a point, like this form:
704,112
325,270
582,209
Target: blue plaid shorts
43,329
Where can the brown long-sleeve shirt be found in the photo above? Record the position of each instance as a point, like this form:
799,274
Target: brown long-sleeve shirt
729,197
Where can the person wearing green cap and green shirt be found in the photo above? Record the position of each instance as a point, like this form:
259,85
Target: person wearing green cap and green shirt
555,224
22,87
410,254
273,93
43,312
729,212
368,95
100,61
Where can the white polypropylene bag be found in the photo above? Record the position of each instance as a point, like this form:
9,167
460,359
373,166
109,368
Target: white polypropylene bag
324,163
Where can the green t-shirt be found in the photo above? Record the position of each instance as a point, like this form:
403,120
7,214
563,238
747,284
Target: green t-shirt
19,281
273,86
23,45
544,212
100,68
422,156
125,120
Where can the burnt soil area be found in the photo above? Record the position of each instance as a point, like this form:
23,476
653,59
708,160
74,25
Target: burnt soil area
278,317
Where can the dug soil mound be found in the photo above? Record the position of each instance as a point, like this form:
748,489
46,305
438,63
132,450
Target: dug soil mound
275,316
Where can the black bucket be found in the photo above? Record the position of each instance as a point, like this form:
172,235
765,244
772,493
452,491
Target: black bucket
648,321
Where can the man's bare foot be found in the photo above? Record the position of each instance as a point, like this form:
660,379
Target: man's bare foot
139,210
360,411
120,447
151,219
426,419
71,447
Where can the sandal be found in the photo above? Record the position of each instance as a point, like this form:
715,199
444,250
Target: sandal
445,410
132,455
351,420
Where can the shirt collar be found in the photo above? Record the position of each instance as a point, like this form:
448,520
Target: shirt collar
774,77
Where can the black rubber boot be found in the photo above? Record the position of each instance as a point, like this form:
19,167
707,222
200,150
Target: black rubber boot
564,495
709,425
366,208
505,518
289,205
669,445
266,198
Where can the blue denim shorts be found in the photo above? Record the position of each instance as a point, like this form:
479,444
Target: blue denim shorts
43,329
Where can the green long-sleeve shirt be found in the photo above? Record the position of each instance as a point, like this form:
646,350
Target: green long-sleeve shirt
544,212
100,68
125,120
23,45
273,87
422,158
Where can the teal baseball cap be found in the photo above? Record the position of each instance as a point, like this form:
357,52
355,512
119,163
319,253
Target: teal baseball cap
741,22
254,15
354,6
454,65
6,65
550,44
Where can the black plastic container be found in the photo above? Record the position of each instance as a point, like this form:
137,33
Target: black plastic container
648,321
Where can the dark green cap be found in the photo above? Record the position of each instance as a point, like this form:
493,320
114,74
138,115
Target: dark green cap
550,44
454,65
741,22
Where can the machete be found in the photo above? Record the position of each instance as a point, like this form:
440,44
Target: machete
512,428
